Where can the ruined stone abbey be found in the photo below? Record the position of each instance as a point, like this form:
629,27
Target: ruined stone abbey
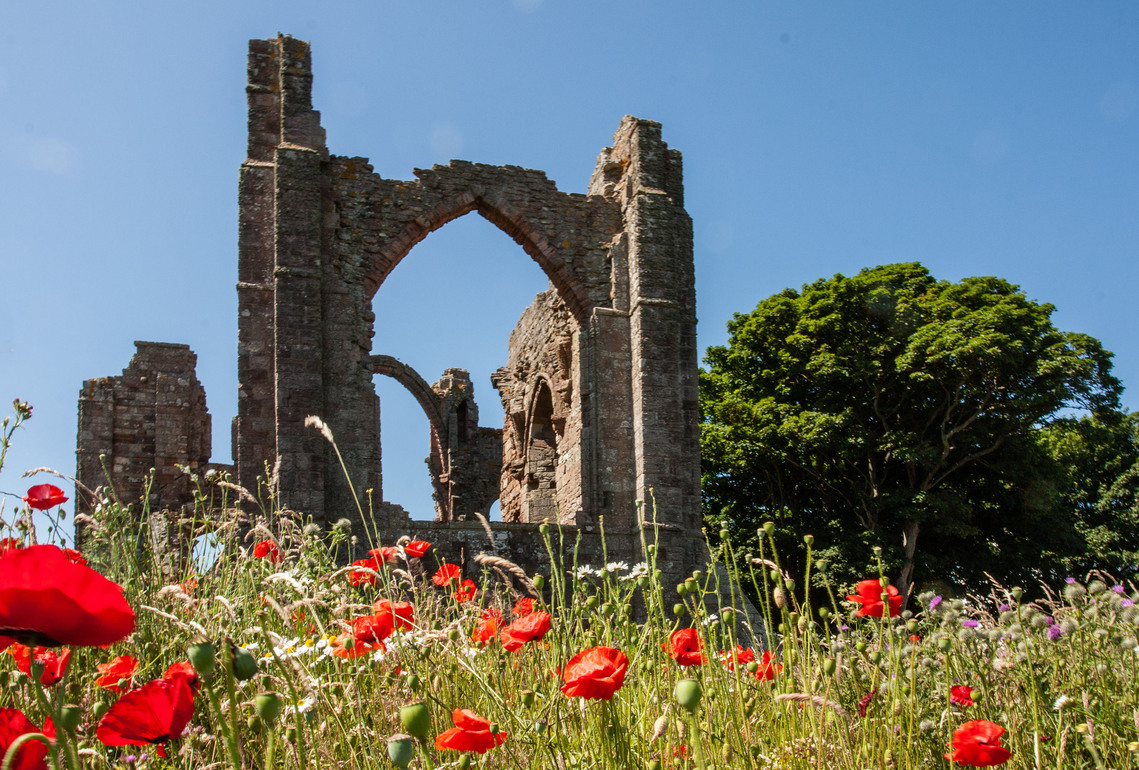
599,388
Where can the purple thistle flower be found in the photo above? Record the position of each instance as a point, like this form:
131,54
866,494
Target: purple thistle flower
1117,588
1005,608
1049,620
937,600
970,623
1055,632
1069,580
1126,603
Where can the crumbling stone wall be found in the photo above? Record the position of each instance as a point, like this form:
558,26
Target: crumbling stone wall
541,444
152,417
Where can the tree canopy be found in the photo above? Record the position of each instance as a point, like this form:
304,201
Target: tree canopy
892,409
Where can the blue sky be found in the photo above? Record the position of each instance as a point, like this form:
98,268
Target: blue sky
818,138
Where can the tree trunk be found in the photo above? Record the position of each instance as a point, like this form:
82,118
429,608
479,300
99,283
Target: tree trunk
909,547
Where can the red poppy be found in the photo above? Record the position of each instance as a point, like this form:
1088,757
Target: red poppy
685,646
47,599
738,656
10,544
466,591
488,626
528,628
978,744
363,576
870,597
523,606
350,647
387,554
417,549
961,695
768,668
122,667
74,556
55,665
445,574
184,670
32,754
595,674
154,713
382,624
44,496
267,549
470,733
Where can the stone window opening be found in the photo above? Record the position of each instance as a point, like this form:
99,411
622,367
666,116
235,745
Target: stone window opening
541,458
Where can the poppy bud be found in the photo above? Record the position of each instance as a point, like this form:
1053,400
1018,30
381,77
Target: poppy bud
253,723
544,528
809,539
528,698
69,718
401,750
876,657
540,726
291,734
416,719
99,709
681,589
724,534
829,666
413,682
678,609
752,667
244,665
268,706
606,609
944,644
821,565
697,575
539,582
911,626
202,658
453,634
769,528
465,760
688,693
824,613
592,602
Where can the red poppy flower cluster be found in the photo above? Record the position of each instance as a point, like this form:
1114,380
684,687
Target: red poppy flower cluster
595,674
32,755
152,714
54,664
978,744
451,575
489,624
870,597
110,674
44,496
685,646
961,695
470,733
46,598
267,549
737,657
384,621
528,628
523,606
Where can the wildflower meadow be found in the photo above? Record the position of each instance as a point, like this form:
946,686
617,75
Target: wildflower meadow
279,652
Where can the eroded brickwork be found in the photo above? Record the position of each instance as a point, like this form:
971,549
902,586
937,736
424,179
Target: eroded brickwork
151,418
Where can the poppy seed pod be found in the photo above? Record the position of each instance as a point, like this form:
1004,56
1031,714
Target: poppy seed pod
202,658
416,719
688,693
401,750
244,665
268,706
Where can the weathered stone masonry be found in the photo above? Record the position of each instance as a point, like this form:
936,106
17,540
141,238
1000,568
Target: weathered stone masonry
600,384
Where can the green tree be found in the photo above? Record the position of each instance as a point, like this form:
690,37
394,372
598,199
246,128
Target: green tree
889,406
